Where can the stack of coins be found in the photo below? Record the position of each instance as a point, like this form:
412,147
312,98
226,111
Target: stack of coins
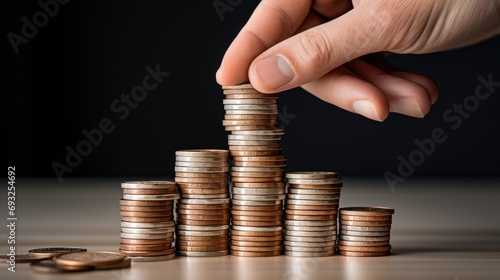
365,231
147,213
258,187
203,210
311,208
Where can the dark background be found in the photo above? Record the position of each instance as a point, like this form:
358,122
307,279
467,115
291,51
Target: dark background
66,77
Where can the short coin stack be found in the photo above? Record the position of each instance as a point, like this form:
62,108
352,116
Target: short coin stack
258,187
203,210
311,208
147,213
365,231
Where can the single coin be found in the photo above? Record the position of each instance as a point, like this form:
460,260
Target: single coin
147,219
302,228
364,233
257,174
264,197
202,228
250,117
148,230
251,95
200,180
255,249
202,233
316,186
256,153
221,206
53,251
202,153
200,175
205,201
258,191
234,128
249,122
261,158
251,112
254,143
256,238
363,254
248,101
89,258
256,233
255,254
308,244
215,239
312,175
21,258
365,218
146,235
255,243
366,223
156,247
257,179
259,163
302,207
204,196
202,164
311,202
142,242
364,238
201,159
328,197
314,181
146,214
259,214
355,228
211,248
313,191
183,186
201,243
366,211
147,208
203,222
246,107
149,191
259,218
148,253
311,223
257,208
124,202
256,203
203,212
148,225
151,197
49,266
240,86
313,239
256,223
273,229
153,259
148,185
311,212
309,254
310,233
203,254
311,218
310,249
249,137
365,249
278,131
259,185
184,191
200,169
363,243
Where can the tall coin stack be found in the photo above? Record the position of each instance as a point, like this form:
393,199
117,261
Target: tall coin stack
147,213
311,208
258,187
203,210
365,231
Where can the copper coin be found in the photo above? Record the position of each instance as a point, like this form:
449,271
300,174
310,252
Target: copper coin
125,202
151,247
251,95
146,214
256,153
249,122
255,148
261,158
259,185
149,191
274,213
259,163
365,249
312,175
257,208
203,212
202,243
255,249
257,174
256,238
366,211
250,117
199,217
249,127
310,218
336,191
255,243
147,208
216,239
147,253
363,243
182,180
311,207
311,212
203,186
203,206
204,191
257,218
256,233
365,223
255,254
147,219
200,175
317,187
256,223
202,248
202,153
257,179
129,241
203,223
365,218
148,185
364,254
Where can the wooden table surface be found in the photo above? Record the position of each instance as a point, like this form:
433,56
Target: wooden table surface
443,228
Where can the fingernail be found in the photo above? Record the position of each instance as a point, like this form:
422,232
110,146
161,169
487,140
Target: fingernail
407,106
273,72
366,108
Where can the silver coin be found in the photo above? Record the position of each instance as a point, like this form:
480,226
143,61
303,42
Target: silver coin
309,254
249,137
148,185
146,235
278,131
201,169
309,228
203,254
310,233
256,169
309,249
366,228
308,244
202,164
258,191
244,228
314,196
202,233
314,239
365,233
204,196
251,107
314,182
153,259
312,202
253,142
247,197
205,201
218,153
202,159
252,112
202,228
148,230
255,203
312,175
364,238
248,101
173,196
311,223
312,191
148,225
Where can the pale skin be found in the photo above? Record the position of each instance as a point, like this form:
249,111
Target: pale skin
331,48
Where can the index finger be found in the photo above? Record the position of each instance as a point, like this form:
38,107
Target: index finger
271,22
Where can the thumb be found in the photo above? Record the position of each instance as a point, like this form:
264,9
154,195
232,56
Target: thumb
314,52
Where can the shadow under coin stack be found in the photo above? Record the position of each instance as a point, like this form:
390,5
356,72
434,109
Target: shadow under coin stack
258,187
311,208
365,231
147,213
203,210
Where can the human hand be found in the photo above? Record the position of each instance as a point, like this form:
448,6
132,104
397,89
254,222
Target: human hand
327,47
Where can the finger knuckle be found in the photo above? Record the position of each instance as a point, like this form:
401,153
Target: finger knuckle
314,49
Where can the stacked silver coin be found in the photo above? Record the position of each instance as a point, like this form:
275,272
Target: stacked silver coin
311,208
147,214
202,214
258,187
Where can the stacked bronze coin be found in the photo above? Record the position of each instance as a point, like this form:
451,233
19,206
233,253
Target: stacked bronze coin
258,187
147,213
365,231
203,211
311,208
